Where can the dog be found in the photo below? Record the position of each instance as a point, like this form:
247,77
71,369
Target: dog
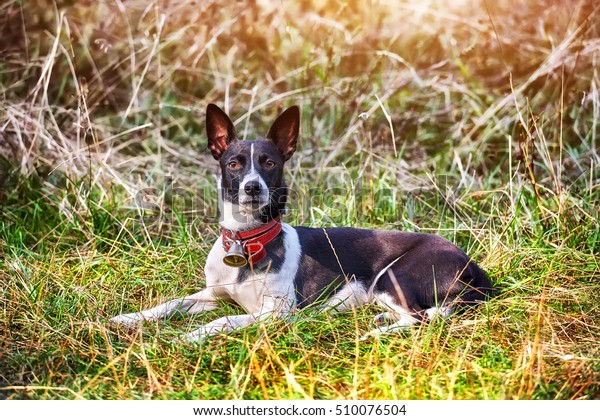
271,269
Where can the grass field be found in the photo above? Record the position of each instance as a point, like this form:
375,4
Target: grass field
476,120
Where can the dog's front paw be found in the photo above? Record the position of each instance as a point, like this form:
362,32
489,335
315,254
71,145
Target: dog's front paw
128,320
192,339
373,334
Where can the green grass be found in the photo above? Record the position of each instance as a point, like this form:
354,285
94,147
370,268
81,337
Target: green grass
107,201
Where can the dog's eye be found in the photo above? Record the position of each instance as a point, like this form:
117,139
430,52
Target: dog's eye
269,164
233,165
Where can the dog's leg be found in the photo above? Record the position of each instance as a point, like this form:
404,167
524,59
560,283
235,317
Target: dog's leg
396,318
226,324
274,307
404,321
349,297
441,311
204,300
395,321
399,318
222,325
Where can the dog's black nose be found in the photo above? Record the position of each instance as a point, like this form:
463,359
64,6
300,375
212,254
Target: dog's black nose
252,188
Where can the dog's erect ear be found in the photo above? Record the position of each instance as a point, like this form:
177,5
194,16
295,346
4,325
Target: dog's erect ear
284,131
219,129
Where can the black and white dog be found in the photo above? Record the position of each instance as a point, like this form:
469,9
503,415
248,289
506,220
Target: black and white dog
270,268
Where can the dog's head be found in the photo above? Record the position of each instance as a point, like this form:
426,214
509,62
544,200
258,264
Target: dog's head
251,185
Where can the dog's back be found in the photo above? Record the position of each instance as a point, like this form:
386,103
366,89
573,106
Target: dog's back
426,269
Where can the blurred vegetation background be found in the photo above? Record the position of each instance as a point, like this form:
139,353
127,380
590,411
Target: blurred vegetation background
104,82
477,93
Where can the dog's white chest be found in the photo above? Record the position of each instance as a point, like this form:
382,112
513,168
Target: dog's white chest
258,292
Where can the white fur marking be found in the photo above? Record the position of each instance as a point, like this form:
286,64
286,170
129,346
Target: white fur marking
261,295
381,273
252,170
231,216
198,302
351,296
403,317
441,311
252,175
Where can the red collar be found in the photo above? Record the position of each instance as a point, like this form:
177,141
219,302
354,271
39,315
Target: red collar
253,241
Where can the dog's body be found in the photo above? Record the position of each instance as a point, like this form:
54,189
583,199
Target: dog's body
412,276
